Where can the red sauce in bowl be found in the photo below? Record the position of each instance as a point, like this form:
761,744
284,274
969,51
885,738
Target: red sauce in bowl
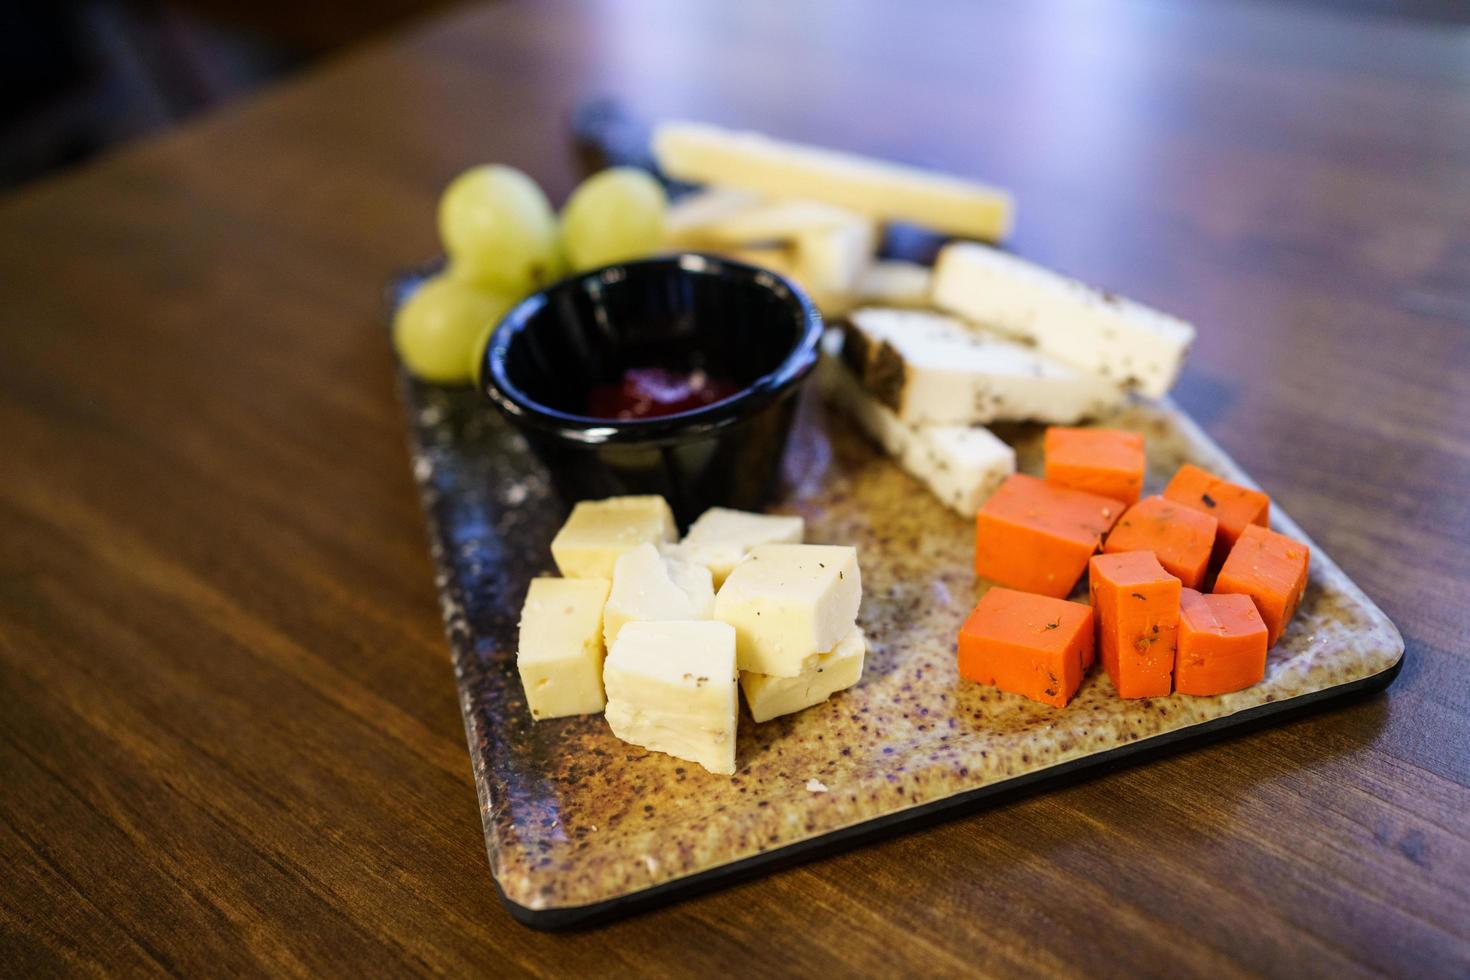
647,393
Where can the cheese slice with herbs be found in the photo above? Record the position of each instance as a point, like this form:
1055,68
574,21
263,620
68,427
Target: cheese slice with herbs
1127,343
961,465
932,369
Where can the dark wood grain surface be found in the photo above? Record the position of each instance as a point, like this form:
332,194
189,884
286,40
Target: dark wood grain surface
229,740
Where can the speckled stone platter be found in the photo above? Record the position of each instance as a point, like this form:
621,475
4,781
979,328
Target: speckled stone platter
578,823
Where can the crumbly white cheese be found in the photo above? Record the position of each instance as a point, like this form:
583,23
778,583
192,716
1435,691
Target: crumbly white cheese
722,537
932,369
559,656
788,601
822,675
885,191
961,465
598,531
671,688
647,585
1127,343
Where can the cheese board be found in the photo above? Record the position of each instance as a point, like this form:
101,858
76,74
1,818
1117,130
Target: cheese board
907,542
580,826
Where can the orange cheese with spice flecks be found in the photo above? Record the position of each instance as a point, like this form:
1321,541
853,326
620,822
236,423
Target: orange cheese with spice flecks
1107,462
1270,568
1222,644
1030,645
1181,538
1135,604
1235,507
1036,537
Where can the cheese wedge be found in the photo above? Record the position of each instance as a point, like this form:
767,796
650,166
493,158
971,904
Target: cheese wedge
1127,343
722,537
822,675
671,688
647,586
881,190
932,369
892,282
961,465
559,656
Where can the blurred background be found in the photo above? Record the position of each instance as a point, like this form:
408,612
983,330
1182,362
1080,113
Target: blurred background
80,76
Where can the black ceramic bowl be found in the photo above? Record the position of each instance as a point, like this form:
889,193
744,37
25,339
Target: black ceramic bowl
683,312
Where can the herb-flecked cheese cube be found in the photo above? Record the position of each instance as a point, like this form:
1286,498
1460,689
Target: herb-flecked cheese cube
789,601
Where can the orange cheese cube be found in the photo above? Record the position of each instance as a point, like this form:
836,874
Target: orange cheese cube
1222,644
1037,538
1181,538
1135,604
1107,462
1234,506
1027,644
1270,568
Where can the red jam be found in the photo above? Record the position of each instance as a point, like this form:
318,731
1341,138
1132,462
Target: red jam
647,393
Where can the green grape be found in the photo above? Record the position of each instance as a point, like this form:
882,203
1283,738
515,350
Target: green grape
439,329
615,215
499,230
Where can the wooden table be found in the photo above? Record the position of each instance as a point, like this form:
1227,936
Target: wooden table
229,738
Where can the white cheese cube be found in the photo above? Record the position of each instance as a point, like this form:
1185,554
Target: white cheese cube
892,282
961,465
598,531
559,656
647,585
885,191
822,675
722,537
671,688
788,601
1129,344
932,369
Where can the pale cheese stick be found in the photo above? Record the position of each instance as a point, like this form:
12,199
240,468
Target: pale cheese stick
882,190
